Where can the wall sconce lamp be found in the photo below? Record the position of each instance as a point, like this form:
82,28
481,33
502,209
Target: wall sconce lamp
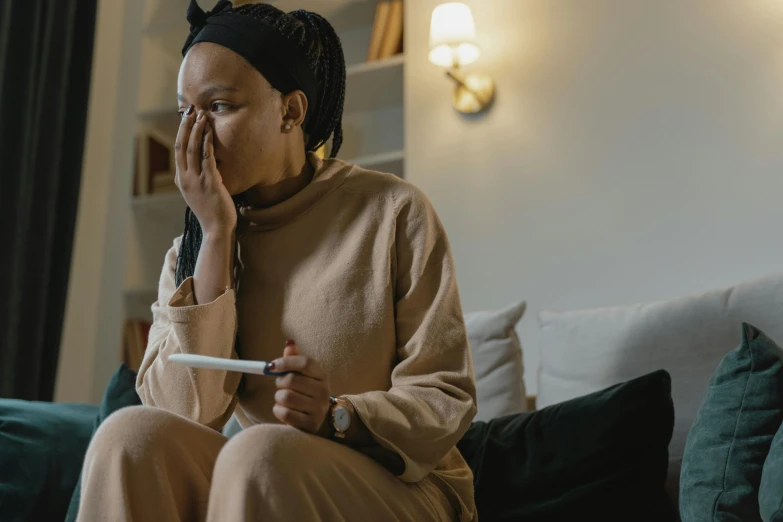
453,45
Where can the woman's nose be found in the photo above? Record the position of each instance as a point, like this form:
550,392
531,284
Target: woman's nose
208,116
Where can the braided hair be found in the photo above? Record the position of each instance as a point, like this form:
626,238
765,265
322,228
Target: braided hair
317,38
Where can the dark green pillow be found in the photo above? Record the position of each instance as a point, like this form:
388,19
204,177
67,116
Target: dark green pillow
732,432
603,456
120,392
42,445
771,487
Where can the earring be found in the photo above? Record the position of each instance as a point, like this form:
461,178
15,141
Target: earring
287,126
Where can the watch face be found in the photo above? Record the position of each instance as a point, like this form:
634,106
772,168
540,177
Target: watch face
342,419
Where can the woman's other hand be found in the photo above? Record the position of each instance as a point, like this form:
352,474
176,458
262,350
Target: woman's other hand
198,178
302,397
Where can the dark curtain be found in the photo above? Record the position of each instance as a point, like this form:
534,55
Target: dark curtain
45,64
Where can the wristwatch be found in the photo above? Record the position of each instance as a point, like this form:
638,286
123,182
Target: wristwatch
339,416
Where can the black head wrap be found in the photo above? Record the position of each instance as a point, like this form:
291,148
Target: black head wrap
280,61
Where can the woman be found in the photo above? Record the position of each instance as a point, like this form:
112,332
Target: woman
377,387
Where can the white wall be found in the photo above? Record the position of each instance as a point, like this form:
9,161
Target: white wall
634,153
91,339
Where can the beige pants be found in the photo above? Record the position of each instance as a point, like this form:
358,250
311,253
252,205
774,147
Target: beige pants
146,464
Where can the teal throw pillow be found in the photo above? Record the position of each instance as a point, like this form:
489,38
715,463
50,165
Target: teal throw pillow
732,432
771,488
42,446
120,392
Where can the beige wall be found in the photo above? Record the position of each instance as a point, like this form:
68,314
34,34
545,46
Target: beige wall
90,348
635,151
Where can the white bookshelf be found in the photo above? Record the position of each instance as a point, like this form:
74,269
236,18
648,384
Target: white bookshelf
159,207
372,85
138,301
372,121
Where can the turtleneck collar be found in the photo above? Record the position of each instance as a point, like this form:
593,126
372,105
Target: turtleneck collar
327,176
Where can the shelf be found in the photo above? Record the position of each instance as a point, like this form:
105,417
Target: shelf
138,302
168,207
165,198
372,85
392,162
378,159
375,65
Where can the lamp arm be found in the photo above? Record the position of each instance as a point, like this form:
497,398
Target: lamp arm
459,81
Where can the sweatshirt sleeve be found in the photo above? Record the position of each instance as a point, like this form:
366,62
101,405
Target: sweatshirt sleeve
179,325
432,398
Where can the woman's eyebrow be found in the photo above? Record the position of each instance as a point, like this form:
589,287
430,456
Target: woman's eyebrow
209,91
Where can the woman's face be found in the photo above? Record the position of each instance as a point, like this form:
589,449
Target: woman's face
246,113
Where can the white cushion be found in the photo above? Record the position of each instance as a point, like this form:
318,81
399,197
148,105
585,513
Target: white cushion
588,350
497,360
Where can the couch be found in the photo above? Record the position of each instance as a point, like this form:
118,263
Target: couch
598,369
586,350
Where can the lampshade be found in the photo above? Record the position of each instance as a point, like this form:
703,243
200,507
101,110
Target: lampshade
453,35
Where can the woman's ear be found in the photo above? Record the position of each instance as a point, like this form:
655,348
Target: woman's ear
295,107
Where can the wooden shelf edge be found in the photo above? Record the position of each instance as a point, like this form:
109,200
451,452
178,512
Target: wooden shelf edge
375,65
378,159
153,199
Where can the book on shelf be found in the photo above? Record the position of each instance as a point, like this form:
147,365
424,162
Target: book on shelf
154,162
134,344
387,29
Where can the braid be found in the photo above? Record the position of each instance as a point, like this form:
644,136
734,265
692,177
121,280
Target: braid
326,54
320,43
317,39
189,248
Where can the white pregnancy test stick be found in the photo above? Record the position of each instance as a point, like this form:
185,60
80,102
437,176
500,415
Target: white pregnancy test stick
220,363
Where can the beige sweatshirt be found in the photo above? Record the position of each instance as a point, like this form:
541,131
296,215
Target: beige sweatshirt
357,268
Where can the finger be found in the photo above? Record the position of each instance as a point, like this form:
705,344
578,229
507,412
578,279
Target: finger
290,348
299,363
181,142
294,400
194,144
293,418
208,165
303,384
